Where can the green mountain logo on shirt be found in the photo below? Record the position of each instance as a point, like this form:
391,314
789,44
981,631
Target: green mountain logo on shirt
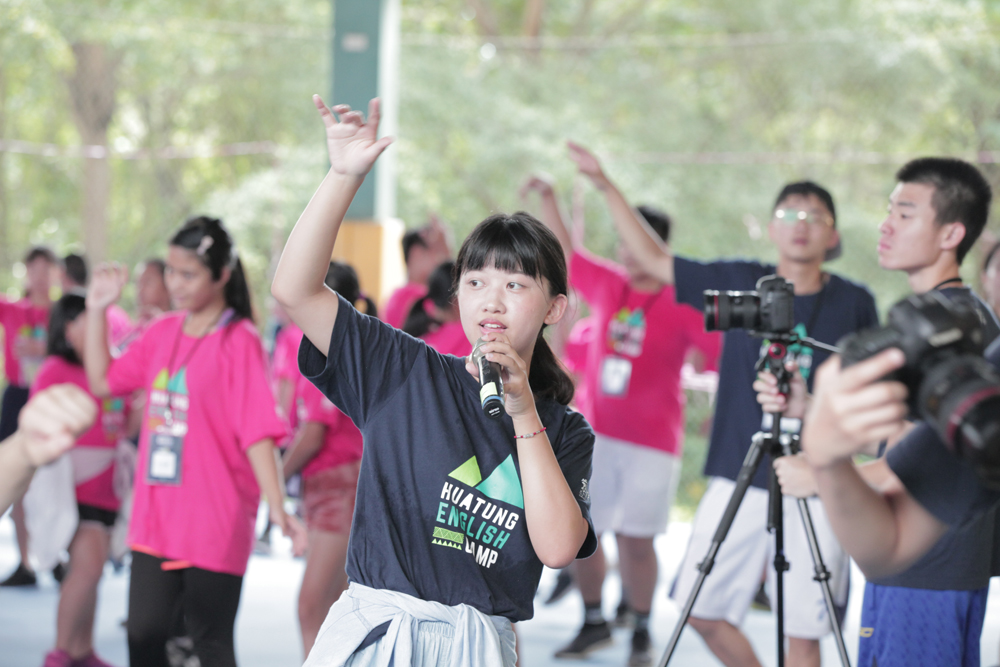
474,520
503,484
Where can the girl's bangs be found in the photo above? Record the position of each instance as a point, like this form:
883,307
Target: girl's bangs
501,243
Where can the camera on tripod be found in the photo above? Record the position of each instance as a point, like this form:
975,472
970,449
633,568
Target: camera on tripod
770,308
950,385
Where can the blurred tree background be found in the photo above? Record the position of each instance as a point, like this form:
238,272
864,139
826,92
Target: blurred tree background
703,107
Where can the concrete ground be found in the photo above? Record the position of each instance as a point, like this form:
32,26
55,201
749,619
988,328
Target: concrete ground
267,630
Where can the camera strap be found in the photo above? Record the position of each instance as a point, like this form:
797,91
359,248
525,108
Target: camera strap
814,315
941,284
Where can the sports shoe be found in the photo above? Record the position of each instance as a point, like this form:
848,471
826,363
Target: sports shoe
642,654
57,658
90,661
564,582
591,638
22,576
623,616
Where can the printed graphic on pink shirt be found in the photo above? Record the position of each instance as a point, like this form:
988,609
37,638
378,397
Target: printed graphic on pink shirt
167,424
627,331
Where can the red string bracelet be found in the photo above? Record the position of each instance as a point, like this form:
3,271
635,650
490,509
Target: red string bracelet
530,435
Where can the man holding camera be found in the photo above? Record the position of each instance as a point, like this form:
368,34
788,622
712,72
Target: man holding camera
826,307
926,597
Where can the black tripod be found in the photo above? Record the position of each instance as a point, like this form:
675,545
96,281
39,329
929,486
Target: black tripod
775,444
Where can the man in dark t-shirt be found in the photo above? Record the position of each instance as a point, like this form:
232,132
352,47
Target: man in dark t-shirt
803,228
925,599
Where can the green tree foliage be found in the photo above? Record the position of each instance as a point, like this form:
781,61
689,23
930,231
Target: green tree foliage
704,108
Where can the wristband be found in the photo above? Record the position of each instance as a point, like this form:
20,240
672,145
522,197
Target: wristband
530,435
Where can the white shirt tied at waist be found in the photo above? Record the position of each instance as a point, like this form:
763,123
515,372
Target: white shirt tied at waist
479,640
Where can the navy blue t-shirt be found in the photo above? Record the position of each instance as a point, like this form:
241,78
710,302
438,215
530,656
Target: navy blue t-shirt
440,512
949,489
844,307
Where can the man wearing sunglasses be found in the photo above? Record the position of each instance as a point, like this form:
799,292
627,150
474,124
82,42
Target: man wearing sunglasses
827,307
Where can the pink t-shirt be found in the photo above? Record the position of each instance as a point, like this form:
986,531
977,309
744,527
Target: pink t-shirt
343,441
213,394
119,325
400,302
285,365
449,338
21,320
633,366
575,356
93,452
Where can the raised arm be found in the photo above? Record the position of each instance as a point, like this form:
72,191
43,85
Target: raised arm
105,289
353,146
652,254
883,529
550,216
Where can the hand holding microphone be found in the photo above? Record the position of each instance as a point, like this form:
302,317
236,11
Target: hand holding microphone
490,382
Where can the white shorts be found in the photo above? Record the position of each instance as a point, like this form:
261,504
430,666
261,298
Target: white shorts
748,549
631,488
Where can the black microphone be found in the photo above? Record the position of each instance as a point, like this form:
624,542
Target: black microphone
490,383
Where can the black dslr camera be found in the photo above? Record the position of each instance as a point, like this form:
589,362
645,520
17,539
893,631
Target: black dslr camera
769,309
950,385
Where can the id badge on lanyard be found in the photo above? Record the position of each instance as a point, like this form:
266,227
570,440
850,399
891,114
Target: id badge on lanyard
166,453
615,375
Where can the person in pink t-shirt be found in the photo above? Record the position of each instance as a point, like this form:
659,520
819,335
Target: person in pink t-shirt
326,450
24,323
93,466
435,318
207,445
424,249
75,275
633,400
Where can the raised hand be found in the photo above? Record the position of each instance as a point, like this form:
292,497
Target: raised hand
352,142
586,162
52,420
106,285
540,183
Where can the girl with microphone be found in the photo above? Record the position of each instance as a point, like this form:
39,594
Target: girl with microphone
456,512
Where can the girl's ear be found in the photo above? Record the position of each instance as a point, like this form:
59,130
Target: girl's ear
557,308
227,273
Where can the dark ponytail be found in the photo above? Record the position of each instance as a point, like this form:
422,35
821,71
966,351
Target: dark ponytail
209,240
441,292
64,311
343,279
520,243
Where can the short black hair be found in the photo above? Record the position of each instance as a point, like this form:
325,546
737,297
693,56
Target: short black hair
657,219
40,252
410,239
76,270
806,188
961,194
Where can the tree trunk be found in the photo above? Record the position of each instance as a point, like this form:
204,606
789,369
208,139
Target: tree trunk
92,89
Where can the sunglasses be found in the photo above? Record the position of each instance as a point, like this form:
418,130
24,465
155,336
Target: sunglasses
791,216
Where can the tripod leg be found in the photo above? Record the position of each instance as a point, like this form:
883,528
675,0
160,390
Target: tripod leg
743,480
777,524
823,577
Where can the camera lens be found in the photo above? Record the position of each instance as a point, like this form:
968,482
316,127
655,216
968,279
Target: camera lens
960,397
731,310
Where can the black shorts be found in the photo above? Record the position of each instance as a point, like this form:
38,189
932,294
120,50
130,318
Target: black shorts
98,514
